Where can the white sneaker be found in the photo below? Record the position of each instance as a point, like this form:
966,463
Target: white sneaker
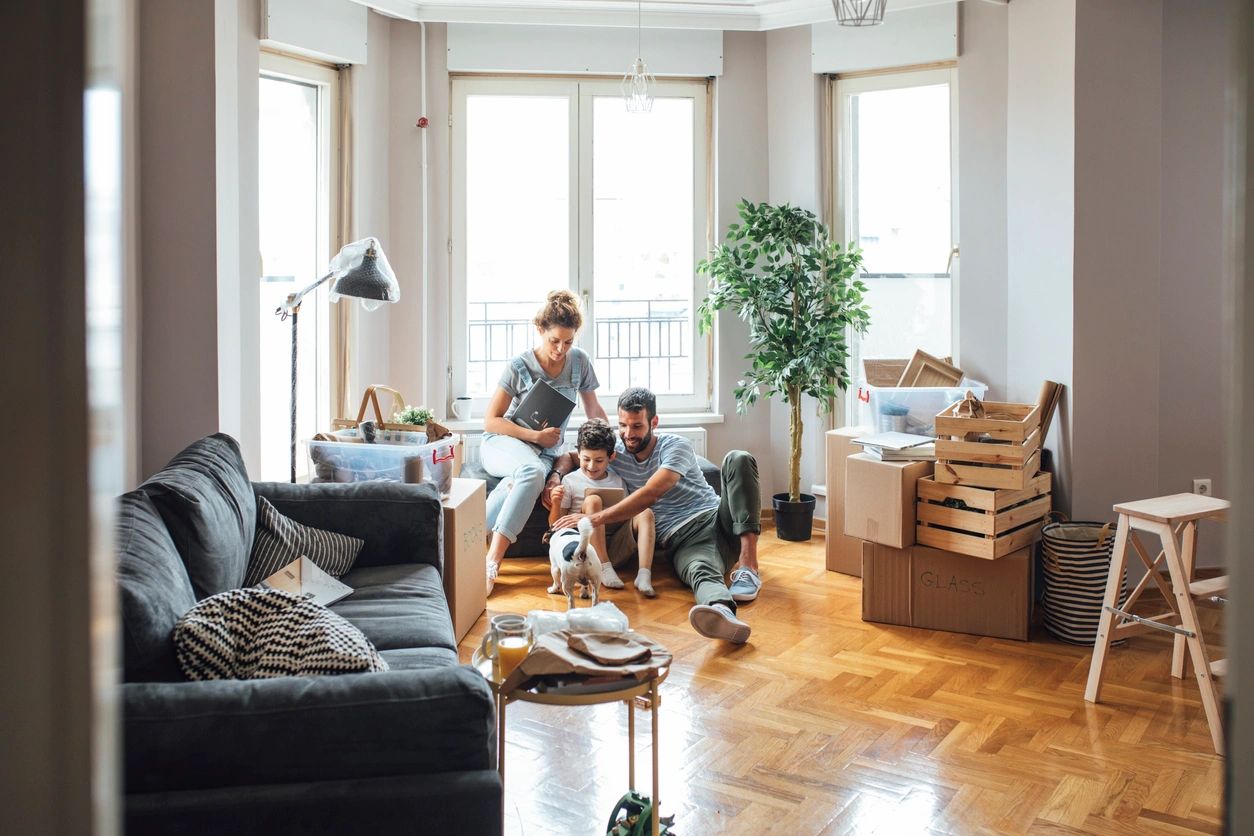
609,577
717,621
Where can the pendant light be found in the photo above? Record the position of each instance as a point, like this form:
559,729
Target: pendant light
859,12
638,84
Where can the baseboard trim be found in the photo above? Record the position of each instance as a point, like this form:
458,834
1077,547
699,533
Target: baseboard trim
819,525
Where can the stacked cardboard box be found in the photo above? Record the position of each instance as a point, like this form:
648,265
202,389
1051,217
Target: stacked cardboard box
885,505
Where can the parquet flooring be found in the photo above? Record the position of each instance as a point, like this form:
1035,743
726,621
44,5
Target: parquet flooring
825,724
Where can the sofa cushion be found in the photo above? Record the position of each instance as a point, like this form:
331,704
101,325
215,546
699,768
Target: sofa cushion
280,540
208,505
419,658
266,633
154,589
400,606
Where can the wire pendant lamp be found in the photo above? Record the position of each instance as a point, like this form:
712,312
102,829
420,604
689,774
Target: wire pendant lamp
859,12
638,84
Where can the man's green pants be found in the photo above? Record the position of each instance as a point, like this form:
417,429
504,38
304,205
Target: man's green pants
705,548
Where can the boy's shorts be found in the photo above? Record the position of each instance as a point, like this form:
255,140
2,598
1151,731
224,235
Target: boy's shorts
621,542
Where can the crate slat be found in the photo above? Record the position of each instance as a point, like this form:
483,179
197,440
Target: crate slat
1020,421
954,473
988,453
994,523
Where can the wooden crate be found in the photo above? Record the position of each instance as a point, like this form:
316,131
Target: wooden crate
1006,454
993,523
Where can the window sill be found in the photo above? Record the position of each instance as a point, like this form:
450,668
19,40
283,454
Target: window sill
666,419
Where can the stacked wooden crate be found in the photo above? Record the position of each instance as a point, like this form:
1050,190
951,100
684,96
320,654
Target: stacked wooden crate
988,497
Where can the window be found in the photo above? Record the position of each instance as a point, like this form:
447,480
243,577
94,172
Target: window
556,185
297,100
896,198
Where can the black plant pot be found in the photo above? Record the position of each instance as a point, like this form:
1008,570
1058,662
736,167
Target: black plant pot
793,520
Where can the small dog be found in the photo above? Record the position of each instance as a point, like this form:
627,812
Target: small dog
573,561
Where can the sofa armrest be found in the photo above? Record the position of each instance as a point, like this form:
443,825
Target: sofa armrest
399,523
197,735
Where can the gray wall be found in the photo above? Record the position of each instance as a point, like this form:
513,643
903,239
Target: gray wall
1118,216
178,257
1196,134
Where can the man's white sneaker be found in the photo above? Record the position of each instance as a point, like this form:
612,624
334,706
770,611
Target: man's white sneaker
717,621
745,585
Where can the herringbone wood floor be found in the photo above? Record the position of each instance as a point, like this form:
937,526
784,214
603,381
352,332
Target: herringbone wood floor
823,723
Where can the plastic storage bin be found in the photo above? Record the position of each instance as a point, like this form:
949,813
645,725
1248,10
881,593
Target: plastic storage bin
408,458
911,410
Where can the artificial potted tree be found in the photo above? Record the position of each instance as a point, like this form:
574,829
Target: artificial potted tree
784,276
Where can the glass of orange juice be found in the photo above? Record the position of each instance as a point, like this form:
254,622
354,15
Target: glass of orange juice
507,642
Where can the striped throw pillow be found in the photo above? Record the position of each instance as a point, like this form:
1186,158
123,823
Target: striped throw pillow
280,540
266,633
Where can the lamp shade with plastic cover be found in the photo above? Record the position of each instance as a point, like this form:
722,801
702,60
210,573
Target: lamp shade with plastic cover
362,272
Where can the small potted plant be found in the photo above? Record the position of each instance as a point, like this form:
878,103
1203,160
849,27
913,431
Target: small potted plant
419,415
784,276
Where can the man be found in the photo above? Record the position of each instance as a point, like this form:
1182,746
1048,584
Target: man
706,535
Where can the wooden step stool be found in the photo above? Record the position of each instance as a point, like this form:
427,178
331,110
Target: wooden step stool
1174,520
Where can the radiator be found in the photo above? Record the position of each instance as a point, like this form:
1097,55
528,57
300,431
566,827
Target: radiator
694,434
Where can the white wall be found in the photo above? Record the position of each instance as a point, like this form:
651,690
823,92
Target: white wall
1040,210
981,266
372,193
793,115
741,152
238,235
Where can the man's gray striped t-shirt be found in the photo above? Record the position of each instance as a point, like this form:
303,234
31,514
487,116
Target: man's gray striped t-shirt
690,496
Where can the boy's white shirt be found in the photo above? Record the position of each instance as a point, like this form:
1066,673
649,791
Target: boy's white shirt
577,483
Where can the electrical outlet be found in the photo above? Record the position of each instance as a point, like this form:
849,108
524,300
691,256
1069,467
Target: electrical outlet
1202,487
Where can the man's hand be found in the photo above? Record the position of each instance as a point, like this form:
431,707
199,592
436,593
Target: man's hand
549,437
552,493
568,521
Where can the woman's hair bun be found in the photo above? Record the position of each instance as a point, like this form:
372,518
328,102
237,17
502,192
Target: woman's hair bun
561,310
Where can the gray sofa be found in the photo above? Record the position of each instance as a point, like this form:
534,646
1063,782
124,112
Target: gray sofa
412,750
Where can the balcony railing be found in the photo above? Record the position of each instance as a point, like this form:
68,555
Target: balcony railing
639,342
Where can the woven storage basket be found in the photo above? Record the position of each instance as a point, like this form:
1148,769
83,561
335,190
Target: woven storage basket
1077,563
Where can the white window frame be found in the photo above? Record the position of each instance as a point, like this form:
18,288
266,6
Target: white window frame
579,93
316,306
846,205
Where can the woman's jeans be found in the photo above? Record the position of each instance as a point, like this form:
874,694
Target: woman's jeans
522,471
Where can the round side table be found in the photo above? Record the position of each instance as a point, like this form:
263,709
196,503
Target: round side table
642,692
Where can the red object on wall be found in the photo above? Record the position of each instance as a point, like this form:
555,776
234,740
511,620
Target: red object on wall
423,121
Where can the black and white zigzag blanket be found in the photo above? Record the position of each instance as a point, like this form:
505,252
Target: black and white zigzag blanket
259,633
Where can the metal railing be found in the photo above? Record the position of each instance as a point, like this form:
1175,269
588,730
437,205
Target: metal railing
641,342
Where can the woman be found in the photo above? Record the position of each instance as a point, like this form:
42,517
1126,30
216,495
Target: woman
523,457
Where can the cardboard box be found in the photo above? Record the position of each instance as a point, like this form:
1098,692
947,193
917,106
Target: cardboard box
844,553
465,550
939,590
879,499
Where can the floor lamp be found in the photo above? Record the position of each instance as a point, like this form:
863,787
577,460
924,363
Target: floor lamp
361,271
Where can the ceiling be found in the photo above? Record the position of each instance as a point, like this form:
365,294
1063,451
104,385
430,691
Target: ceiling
744,15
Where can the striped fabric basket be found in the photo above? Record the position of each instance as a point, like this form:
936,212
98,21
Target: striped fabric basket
1076,564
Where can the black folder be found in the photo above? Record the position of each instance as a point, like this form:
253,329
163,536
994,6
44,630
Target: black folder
542,407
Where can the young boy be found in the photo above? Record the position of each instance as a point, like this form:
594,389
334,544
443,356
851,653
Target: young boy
595,444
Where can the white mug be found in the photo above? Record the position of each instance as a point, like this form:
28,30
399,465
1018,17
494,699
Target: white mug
461,407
